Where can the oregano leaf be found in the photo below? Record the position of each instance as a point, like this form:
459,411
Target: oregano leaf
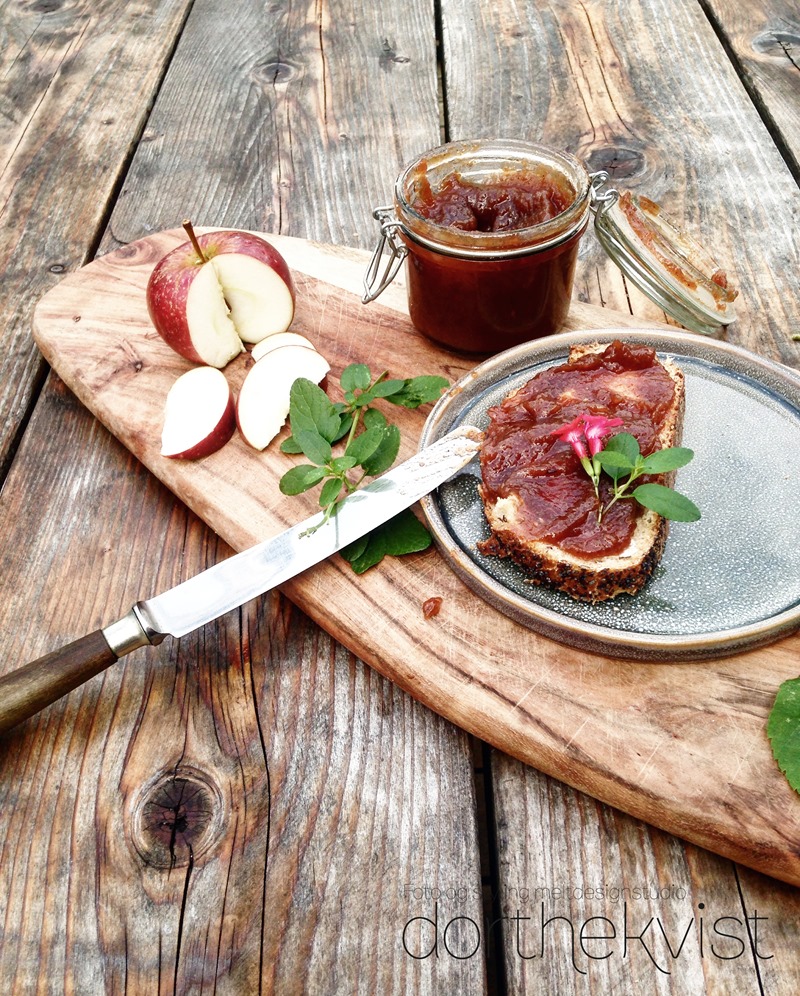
783,730
400,535
670,458
311,408
355,377
331,490
624,443
314,446
666,502
614,463
419,391
301,478
366,443
386,454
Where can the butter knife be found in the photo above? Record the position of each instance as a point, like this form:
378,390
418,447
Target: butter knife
226,585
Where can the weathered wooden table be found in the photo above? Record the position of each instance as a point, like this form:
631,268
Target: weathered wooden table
253,809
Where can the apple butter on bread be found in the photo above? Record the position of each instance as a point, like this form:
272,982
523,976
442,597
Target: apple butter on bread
539,501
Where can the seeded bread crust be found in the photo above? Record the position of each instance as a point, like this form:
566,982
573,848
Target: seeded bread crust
599,579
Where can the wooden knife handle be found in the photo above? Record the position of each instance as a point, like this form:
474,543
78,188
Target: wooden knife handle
30,688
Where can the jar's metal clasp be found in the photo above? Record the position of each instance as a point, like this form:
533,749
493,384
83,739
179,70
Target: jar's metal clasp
375,281
601,200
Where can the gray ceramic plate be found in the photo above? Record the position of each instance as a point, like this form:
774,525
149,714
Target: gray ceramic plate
726,583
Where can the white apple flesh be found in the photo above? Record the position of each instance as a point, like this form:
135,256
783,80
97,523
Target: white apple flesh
263,403
280,339
199,415
205,308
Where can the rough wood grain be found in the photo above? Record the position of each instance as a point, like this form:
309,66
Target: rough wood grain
764,40
601,725
625,86
77,79
306,114
645,90
145,845
674,919
326,793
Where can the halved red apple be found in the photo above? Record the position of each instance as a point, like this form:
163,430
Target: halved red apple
263,403
199,414
209,295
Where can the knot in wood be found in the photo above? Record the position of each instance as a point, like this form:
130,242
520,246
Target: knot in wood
618,162
779,44
177,818
275,72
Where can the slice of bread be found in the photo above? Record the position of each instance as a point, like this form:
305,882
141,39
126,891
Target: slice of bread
598,577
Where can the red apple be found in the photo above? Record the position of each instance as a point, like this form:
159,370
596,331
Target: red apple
263,403
218,290
199,414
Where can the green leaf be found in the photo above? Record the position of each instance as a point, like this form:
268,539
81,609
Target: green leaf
311,408
401,535
405,534
666,502
341,464
346,420
419,391
331,490
623,443
615,464
366,443
301,478
356,377
362,557
386,388
667,459
373,417
386,454
314,446
355,549
783,730
290,445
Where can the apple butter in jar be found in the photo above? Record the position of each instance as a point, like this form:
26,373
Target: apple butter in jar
490,231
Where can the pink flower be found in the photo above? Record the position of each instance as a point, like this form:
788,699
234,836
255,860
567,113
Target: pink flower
596,428
573,434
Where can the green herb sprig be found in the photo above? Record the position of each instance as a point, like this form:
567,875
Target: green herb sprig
369,445
622,460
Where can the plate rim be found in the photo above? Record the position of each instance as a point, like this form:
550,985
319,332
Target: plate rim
566,629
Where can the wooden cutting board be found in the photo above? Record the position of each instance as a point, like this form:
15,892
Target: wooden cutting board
680,745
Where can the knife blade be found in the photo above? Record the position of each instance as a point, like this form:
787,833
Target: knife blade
210,594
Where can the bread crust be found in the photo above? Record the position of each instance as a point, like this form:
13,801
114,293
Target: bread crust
595,579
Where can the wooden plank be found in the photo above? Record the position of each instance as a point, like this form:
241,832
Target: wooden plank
77,79
608,735
763,38
303,132
642,90
673,919
323,800
625,87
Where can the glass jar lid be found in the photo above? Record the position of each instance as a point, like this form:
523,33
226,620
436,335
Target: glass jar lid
665,263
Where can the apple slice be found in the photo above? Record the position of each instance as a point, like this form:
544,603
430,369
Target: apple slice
263,403
212,293
256,287
199,414
277,340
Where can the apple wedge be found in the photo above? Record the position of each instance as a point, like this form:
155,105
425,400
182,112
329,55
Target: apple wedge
263,403
199,415
211,294
277,340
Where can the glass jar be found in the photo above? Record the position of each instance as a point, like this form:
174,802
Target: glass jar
490,231
479,290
